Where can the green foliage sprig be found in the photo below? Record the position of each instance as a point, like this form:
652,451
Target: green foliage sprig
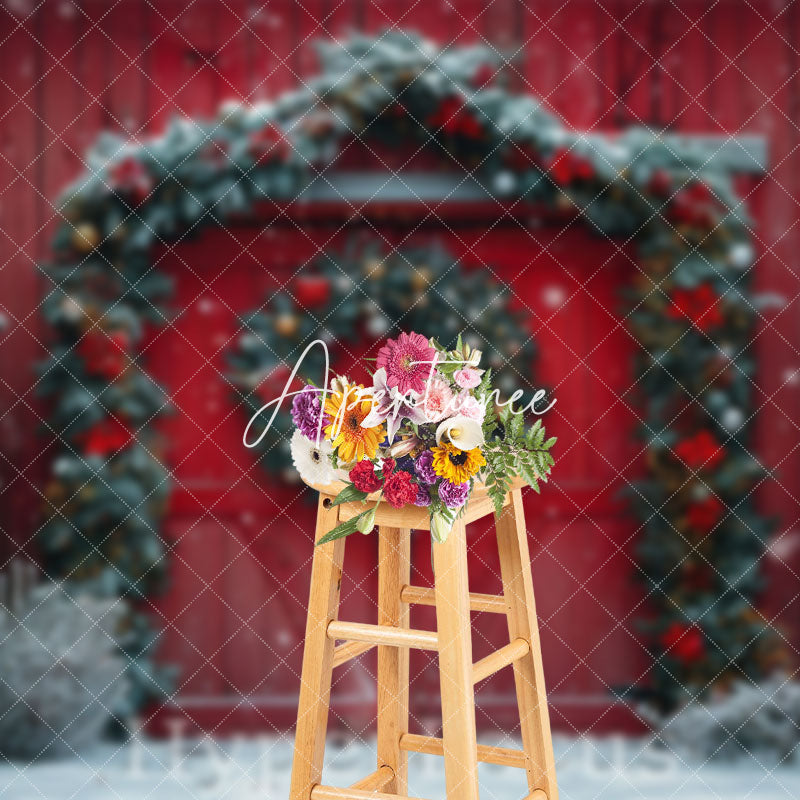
512,449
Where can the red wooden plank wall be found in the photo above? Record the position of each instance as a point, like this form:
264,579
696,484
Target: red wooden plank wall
70,69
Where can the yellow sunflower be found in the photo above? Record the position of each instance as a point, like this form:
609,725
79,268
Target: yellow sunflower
457,466
347,410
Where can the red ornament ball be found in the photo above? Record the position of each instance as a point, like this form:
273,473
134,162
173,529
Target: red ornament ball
312,291
694,205
686,643
104,353
455,119
704,515
660,183
566,167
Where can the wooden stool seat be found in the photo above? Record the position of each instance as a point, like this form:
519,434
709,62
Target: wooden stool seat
393,637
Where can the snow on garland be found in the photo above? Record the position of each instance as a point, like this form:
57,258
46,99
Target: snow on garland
689,308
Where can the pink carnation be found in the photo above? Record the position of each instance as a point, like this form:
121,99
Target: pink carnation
467,378
436,402
405,361
468,406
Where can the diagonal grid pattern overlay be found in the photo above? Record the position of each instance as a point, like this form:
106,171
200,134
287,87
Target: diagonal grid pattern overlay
206,135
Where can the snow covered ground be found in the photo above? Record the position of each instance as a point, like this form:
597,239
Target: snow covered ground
258,769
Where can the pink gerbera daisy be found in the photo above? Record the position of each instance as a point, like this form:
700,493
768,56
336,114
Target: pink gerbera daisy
405,361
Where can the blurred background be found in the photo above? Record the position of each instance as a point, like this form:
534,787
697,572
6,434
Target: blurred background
603,197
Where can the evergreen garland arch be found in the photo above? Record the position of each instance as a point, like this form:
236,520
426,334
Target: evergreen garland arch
362,293
689,307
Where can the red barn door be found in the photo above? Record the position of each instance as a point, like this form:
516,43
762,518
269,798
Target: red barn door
236,607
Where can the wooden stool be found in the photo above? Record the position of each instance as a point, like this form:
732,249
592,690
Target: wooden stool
393,636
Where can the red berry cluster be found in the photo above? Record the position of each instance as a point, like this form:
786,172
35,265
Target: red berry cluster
704,515
566,167
699,305
701,451
106,438
454,118
131,179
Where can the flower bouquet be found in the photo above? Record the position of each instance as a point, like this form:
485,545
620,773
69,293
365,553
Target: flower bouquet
425,433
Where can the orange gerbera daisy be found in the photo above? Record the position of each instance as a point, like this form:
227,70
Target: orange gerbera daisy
347,410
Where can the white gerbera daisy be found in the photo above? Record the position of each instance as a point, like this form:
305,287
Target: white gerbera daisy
312,462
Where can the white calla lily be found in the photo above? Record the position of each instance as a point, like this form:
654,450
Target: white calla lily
462,432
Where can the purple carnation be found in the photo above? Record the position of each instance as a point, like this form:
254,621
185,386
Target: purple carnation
423,496
306,411
423,466
454,495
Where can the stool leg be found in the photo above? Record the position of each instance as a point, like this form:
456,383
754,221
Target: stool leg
455,665
515,567
394,572
315,683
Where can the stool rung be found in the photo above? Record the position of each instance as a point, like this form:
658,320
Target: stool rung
494,662
383,635
376,781
348,651
423,596
332,793
539,794
431,745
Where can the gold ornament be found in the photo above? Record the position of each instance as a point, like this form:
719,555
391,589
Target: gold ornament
564,202
287,324
374,268
85,237
56,492
420,279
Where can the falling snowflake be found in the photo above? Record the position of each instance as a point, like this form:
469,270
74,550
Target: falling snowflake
206,305
554,296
